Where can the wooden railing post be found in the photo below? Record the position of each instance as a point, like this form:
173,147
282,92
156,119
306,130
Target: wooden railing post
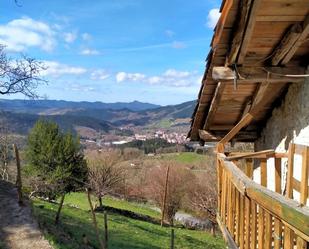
263,167
249,168
256,217
219,182
278,189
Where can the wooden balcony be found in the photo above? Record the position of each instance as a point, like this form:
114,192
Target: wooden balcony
251,215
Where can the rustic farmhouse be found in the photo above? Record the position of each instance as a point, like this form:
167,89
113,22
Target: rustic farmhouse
256,89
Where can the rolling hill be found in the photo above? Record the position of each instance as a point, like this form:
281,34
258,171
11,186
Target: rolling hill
101,117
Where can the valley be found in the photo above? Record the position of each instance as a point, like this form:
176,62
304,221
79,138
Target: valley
100,124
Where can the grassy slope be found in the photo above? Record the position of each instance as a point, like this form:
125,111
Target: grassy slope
80,200
184,157
123,232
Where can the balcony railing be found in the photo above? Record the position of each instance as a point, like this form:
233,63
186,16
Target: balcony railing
251,215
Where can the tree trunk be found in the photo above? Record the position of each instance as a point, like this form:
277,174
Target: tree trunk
59,209
18,178
100,202
94,220
213,229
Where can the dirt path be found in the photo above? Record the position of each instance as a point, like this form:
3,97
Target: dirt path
18,229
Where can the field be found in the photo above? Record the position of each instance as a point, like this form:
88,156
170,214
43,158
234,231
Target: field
124,232
79,200
184,157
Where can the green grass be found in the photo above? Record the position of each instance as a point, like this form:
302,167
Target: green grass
184,157
163,123
124,232
80,200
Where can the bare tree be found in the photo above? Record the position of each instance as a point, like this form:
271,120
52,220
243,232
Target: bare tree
104,172
19,76
203,196
177,186
5,150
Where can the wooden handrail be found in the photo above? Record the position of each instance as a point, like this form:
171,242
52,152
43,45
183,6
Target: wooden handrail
251,154
275,155
287,210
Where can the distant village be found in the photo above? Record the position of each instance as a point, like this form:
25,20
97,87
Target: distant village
113,139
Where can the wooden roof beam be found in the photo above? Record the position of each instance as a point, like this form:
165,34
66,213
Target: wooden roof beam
242,37
259,74
214,105
261,98
208,136
247,108
300,40
233,132
286,44
217,127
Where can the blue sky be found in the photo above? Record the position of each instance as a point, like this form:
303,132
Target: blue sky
113,50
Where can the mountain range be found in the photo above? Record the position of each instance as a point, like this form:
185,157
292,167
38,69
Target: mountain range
102,117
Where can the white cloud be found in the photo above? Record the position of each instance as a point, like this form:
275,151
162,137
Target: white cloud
88,51
170,77
86,36
57,69
100,74
212,18
176,74
19,34
70,37
123,76
169,33
81,88
178,45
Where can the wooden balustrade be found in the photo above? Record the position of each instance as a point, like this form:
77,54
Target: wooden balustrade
252,216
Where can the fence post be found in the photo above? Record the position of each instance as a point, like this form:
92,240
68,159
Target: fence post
165,195
94,220
105,231
18,177
172,238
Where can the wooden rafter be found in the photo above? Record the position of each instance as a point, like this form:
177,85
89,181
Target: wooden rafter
249,31
247,108
242,123
300,40
214,105
244,13
242,37
229,127
286,44
216,136
207,136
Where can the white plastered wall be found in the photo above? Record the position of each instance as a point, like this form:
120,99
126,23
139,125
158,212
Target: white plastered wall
288,123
